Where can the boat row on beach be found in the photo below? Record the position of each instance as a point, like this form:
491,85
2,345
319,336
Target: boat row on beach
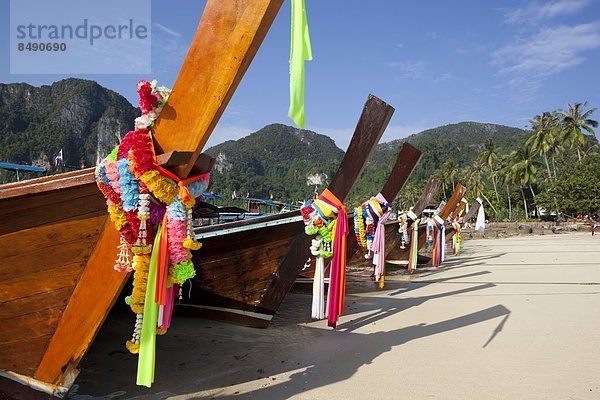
57,244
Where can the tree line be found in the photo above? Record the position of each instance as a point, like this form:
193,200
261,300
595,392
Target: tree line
555,171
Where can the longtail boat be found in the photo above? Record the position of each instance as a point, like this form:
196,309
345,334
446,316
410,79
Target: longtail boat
56,243
472,211
406,161
247,267
395,253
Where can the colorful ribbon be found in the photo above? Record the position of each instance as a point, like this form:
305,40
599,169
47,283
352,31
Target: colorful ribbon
379,243
414,247
337,274
145,372
300,51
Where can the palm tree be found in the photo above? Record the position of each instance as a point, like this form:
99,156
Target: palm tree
505,175
451,171
523,170
442,175
474,177
544,135
574,120
488,156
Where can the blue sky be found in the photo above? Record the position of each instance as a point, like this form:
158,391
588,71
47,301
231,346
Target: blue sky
436,62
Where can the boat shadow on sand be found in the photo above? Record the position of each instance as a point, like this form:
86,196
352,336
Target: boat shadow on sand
207,359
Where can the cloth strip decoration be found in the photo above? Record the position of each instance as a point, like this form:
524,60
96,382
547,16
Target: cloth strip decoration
326,218
439,243
456,239
414,245
152,209
369,218
379,242
300,51
480,222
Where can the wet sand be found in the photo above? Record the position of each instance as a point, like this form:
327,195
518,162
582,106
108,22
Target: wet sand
508,318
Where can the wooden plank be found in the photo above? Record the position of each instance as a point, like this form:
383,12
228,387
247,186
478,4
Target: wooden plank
426,198
23,357
40,282
406,162
203,164
35,303
30,326
18,213
47,247
373,120
227,38
93,296
46,183
472,211
453,202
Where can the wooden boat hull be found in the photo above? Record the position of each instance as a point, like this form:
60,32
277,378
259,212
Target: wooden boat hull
244,270
56,242
247,267
49,266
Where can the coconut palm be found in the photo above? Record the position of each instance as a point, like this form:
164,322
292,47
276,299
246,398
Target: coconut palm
505,175
488,156
523,170
451,171
475,174
574,121
543,140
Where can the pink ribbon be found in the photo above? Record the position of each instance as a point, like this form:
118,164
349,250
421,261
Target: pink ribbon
168,307
378,246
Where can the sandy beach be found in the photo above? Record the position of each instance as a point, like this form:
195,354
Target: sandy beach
507,319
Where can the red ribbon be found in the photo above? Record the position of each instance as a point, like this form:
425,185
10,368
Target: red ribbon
337,274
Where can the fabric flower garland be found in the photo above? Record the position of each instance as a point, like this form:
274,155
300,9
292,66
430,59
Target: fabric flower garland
143,199
326,218
369,220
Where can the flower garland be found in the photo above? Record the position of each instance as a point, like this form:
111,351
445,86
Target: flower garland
140,195
369,220
366,217
326,218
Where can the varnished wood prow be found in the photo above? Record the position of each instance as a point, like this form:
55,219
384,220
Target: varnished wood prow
203,164
227,38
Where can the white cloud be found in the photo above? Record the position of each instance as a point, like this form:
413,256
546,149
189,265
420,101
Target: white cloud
549,51
410,69
166,30
537,12
432,35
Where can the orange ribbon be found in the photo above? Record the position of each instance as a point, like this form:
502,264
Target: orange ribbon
337,274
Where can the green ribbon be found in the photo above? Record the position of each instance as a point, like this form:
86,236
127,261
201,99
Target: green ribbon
145,372
414,246
300,51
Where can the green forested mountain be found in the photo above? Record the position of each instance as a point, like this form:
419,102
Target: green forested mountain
460,142
278,159
282,160
79,116
86,120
